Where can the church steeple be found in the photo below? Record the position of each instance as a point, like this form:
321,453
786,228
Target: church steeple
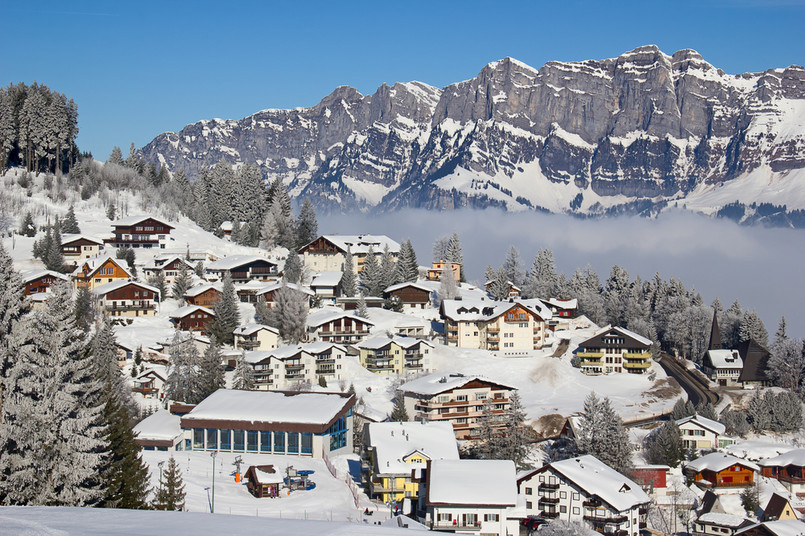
715,334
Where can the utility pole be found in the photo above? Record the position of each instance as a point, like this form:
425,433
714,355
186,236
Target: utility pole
212,504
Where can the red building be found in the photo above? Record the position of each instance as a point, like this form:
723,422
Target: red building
140,232
192,318
39,281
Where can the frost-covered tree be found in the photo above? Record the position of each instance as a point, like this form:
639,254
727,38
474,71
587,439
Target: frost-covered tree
307,227
181,284
227,315
706,410
585,285
69,225
51,437
211,369
786,366
752,328
448,289
682,409
407,266
28,227
758,412
601,434
388,270
170,494
158,281
515,443
12,307
513,267
184,382
780,334
398,412
734,422
262,314
454,253
440,249
542,280
348,280
616,294
499,288
372,280
566,528
103,347
730,325
292,272
664,445
278,227
289,314
243,378
125,474
362,310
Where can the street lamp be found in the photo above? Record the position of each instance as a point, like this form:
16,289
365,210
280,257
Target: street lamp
160,464
212,503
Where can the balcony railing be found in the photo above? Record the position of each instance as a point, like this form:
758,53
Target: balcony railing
549,515
549,500
132,307
450,526
145,390
546,485
636,355
637,364
604,519
593,355
248,344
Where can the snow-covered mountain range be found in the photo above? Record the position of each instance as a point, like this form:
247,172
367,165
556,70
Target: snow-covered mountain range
630,134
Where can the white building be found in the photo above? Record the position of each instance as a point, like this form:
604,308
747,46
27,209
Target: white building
291,365
327,286
327,252
270,422
251,337
335,325
470,496
723,366
588,491
701,433
159,431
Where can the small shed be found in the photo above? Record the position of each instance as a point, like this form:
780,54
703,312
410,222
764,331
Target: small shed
264,481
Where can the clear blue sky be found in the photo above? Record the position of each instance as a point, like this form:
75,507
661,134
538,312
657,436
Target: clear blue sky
137,69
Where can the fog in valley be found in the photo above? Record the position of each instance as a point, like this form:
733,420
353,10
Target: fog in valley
760,267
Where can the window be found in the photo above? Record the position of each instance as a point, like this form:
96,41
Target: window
575,510
293,443
237,439
576,496
307,443
265,441
528,491
212,439
480,396
528,505
251,440
461,398
225,439
445,517
491,517
198,438
279,442
563,495
563,509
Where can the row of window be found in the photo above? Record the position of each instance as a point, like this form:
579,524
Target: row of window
252,441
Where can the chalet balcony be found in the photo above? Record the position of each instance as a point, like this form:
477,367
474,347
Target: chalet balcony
591,355
263,271
616,520
637,364
636,355
493,338
239,275
145,390
377,487
549,500
294,366
413,357
295,376
342,332
451,527
546,485
248,344
592,503
414,365
549,515
371,367
147,306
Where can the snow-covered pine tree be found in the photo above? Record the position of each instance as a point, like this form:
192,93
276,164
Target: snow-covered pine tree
707,411
243,378
780,333
586,286
664,445
682,409
170,494
542,279
307,227
212,372
184,382
759,412
289,314
12,307
348,280
370,276
407,265
734,422
362,311
262,314
83,308
278,228
515,443
69,224
454,253
388,270
513,266
227,315
292,272
730,325
448,289
440,249
398,412
180,284
106,369
125,474
51,436
28,227
499,289
752,328
786,365
489,441
601,434
615,296
158,281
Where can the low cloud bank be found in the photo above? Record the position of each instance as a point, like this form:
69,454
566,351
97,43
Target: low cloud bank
760,267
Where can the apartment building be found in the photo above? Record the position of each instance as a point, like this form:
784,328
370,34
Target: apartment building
614,349
397,355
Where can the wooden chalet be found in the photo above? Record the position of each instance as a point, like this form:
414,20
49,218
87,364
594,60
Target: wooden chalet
411,295
243,268
100,270
340,327
75,247
264,481
140,232
328,252
652,478
782,527
169,267
39,281
149,384
203,295
127,298
192,318
788,468
719,470
269,293
778,508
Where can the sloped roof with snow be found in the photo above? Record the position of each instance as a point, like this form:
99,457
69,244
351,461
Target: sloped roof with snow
485,310
33,275
276,286
200,289
596,340
328,278
102,290
231,262
270,407
93,263
785,527
134,220
597,478
718,461
730,359
159,426
407,284
312,348
189,309
440,382
561,303
723,520
67,239
472,482
360,244
395,441
380,341
165,260
251,329
709,424
792,457
324,316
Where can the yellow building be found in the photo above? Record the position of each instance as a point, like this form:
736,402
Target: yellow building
100,270
395,453
398,355
614,349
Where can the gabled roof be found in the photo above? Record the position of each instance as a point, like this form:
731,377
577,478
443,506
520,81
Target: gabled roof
231,262
472,482
441,382
276,286
159,426
792,457
718,461
134,220
708,424
251,329
755,359
67,239
328,278
94,263
189,309
723,520
201,289
406,284
152,265
486,310
105,289
319,318
395,441
284,352
380,341
631,339
33,275
561,303
786,527
359,244
775,507
724,359
600,480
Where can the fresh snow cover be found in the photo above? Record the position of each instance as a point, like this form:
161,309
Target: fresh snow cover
51,520
718,461
134,220
200,289
160,425
251,329
182,312
407,284
276,286
30,275
370,192
380,341
704,422
625,332
233,261
726,520
728,359
67,238
329,314
360,244
327,278
599,479
792,457
291,350
394,441
269,406
472,482
432,384
783,527
106,288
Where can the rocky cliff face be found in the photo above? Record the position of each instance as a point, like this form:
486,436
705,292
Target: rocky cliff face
641,130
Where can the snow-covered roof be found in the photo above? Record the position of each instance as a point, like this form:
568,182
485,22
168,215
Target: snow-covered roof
623,331
380,341
233,261
757,450
32,275
106,288
276,286
405,284
597,478
159,426
792,457
134,220
93,263
182,312
562,303
251,329
709,424
284,352
718,461
159,263
270,407
784,527
395,441
472,482
265,477
729,359
724,520
318,318
440,382
469,310
69,238
360,244
329,278
200,289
